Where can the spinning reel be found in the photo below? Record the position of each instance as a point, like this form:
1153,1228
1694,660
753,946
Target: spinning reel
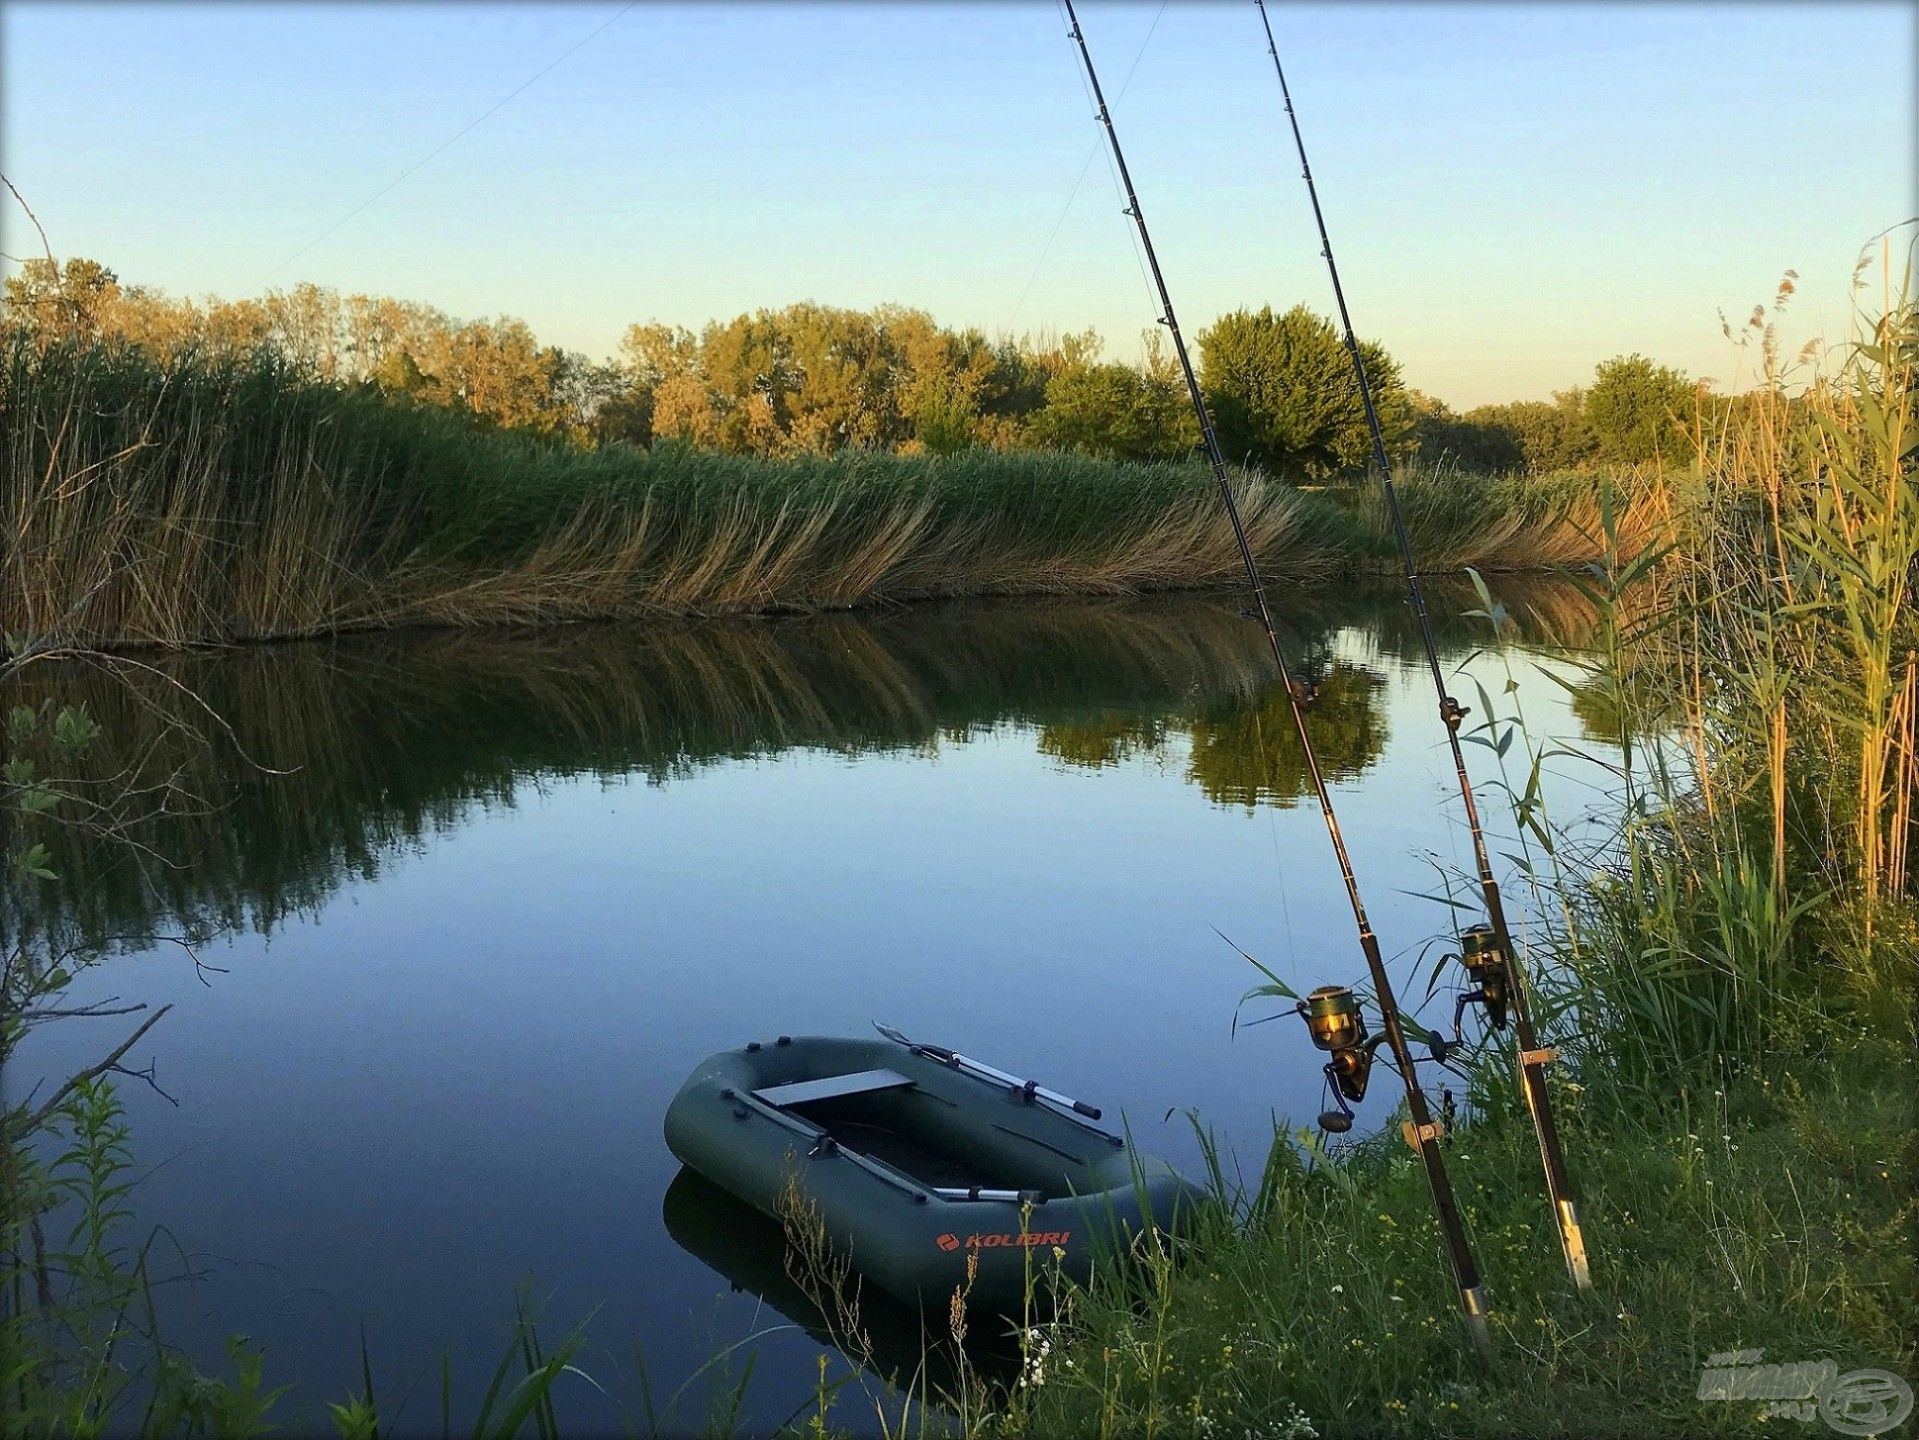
1336,1025
1334,1022
1486,964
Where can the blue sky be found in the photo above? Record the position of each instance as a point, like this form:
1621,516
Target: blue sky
1516,190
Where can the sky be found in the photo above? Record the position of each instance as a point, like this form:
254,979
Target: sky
1516,191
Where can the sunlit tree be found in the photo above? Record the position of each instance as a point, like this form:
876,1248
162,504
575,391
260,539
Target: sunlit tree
1283,397
1641,411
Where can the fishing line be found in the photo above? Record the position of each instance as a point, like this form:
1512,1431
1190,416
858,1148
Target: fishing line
1272,830
1094,149
1119,188
448,143
1422,1133
1533,1058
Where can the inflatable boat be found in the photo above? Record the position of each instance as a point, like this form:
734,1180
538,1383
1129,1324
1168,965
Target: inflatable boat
919,1160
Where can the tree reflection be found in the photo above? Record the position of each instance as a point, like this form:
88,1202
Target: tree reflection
376,744
1250,754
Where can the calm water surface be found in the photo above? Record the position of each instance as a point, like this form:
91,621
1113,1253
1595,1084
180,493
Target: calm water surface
514,887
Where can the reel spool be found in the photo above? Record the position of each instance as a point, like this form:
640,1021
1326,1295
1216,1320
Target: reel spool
1486,965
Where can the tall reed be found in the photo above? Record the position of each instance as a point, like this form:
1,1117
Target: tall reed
236,498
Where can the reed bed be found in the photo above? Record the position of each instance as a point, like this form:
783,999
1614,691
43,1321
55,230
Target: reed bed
234,499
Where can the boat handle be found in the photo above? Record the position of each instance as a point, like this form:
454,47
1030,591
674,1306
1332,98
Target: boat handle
949,1192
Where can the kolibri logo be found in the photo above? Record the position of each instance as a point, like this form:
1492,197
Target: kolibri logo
950,1241
1859,1402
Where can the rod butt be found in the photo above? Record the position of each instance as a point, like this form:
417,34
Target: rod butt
1474,1300
1573,1240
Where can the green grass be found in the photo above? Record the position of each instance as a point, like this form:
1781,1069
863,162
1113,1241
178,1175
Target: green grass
1773,1214
1729,972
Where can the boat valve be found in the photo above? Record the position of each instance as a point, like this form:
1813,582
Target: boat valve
1334,1022
1484,960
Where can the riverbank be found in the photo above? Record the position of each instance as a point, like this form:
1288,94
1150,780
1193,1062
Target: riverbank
1728,975
217,501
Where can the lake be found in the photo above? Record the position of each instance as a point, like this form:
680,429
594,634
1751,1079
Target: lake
479,901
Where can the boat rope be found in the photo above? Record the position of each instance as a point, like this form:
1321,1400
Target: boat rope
1451,713
1465,1269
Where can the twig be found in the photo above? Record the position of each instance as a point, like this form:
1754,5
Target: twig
86,1012
34,218
148,1076
112,1062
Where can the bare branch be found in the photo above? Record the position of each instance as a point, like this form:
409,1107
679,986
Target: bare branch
148,1076
112,1062
84,1012
44,245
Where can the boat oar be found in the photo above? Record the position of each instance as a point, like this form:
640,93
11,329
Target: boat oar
1031,1089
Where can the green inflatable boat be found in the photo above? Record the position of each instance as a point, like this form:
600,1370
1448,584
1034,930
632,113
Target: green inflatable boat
920,1160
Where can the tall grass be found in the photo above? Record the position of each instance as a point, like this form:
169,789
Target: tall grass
237,499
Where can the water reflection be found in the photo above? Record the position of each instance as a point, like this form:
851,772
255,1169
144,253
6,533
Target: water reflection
331,758
896,1344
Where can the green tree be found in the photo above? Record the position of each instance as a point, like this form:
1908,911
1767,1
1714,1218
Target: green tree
1548,434
1283,397
397,373
945,423
1441,437
498,371
846,372
1641,411
1116,412
1532,435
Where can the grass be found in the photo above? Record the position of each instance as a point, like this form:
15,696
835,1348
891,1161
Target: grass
203,500
1728,970
1767,1215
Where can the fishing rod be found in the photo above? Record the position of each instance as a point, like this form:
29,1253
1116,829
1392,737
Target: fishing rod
1423,1133
1486,951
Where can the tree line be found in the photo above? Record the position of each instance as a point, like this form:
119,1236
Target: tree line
815,379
